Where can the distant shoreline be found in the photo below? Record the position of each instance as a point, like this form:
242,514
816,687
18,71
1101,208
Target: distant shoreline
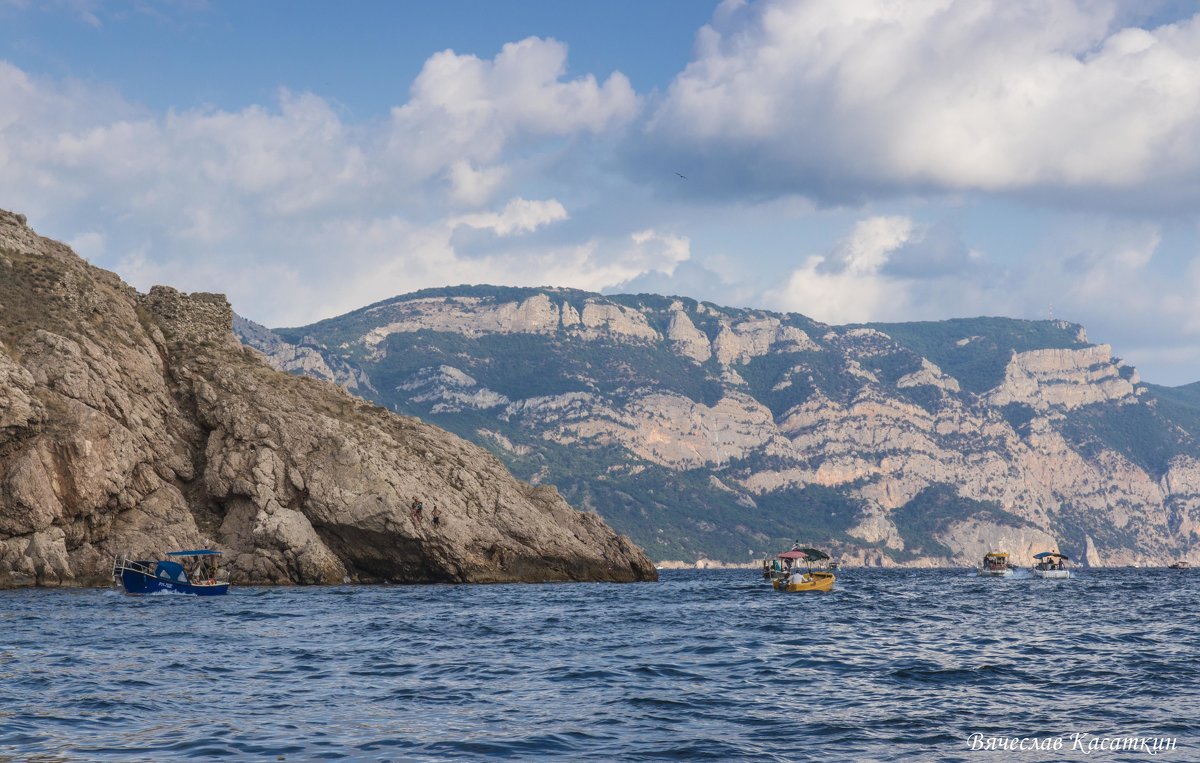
713,564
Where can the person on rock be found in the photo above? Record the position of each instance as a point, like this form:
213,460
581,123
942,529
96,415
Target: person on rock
436,516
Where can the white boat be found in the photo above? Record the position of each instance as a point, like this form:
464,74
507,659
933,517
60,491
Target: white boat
1051,565
995,565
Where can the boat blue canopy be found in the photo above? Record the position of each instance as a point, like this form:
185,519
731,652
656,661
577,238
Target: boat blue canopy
1047,554
200,552
172,571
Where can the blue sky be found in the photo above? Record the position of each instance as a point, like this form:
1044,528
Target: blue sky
852,160
363,55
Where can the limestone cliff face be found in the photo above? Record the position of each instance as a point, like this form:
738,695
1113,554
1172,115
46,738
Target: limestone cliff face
709,432
298,359
138,423
1063,378
474,317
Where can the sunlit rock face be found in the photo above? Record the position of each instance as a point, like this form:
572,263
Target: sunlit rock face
1063,378
715,433
138,423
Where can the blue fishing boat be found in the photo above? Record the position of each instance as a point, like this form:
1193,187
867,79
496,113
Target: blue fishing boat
191,572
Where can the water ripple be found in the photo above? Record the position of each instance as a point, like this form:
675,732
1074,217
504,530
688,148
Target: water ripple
703,665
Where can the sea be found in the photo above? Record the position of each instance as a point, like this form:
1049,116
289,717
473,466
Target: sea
702,665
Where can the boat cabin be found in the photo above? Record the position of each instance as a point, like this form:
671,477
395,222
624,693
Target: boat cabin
1050,560
995,561
793,571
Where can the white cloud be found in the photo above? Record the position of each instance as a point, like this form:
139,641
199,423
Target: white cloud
652,251
466,118
89,245
519,216
1107,274
847,99
297,213
473,187
520,90
465,111
380,258
848,285
595,265
866,250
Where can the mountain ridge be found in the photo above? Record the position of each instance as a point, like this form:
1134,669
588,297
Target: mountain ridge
715,432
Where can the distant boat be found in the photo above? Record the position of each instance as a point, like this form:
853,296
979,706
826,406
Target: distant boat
1051,565
995,565
171,575
786,574
1180,565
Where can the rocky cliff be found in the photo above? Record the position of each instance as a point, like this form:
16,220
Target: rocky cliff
705,431
138,423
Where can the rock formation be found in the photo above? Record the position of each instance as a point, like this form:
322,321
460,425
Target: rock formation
718,433
138,423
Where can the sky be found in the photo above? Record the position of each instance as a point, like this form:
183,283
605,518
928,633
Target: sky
851,160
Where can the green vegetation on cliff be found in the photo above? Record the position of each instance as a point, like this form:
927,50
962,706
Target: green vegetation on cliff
976,350
753,429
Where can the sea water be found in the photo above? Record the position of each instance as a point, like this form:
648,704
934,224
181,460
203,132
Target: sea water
701,665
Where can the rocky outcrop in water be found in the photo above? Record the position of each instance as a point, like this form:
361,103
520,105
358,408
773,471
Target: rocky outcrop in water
719,433
138,423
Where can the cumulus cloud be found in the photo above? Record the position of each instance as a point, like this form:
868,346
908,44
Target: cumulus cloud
845,100
297,213
471,186
848,285
504,170
652,251
1109,274
519,216
424,256
465,111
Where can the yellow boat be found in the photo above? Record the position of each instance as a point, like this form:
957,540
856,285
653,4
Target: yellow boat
807,581
787,575
995,565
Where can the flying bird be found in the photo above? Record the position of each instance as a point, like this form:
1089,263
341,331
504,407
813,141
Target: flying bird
682,176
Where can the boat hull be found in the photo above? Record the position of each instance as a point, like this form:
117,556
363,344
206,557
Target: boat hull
817,581
1052,574
996,573
140,582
